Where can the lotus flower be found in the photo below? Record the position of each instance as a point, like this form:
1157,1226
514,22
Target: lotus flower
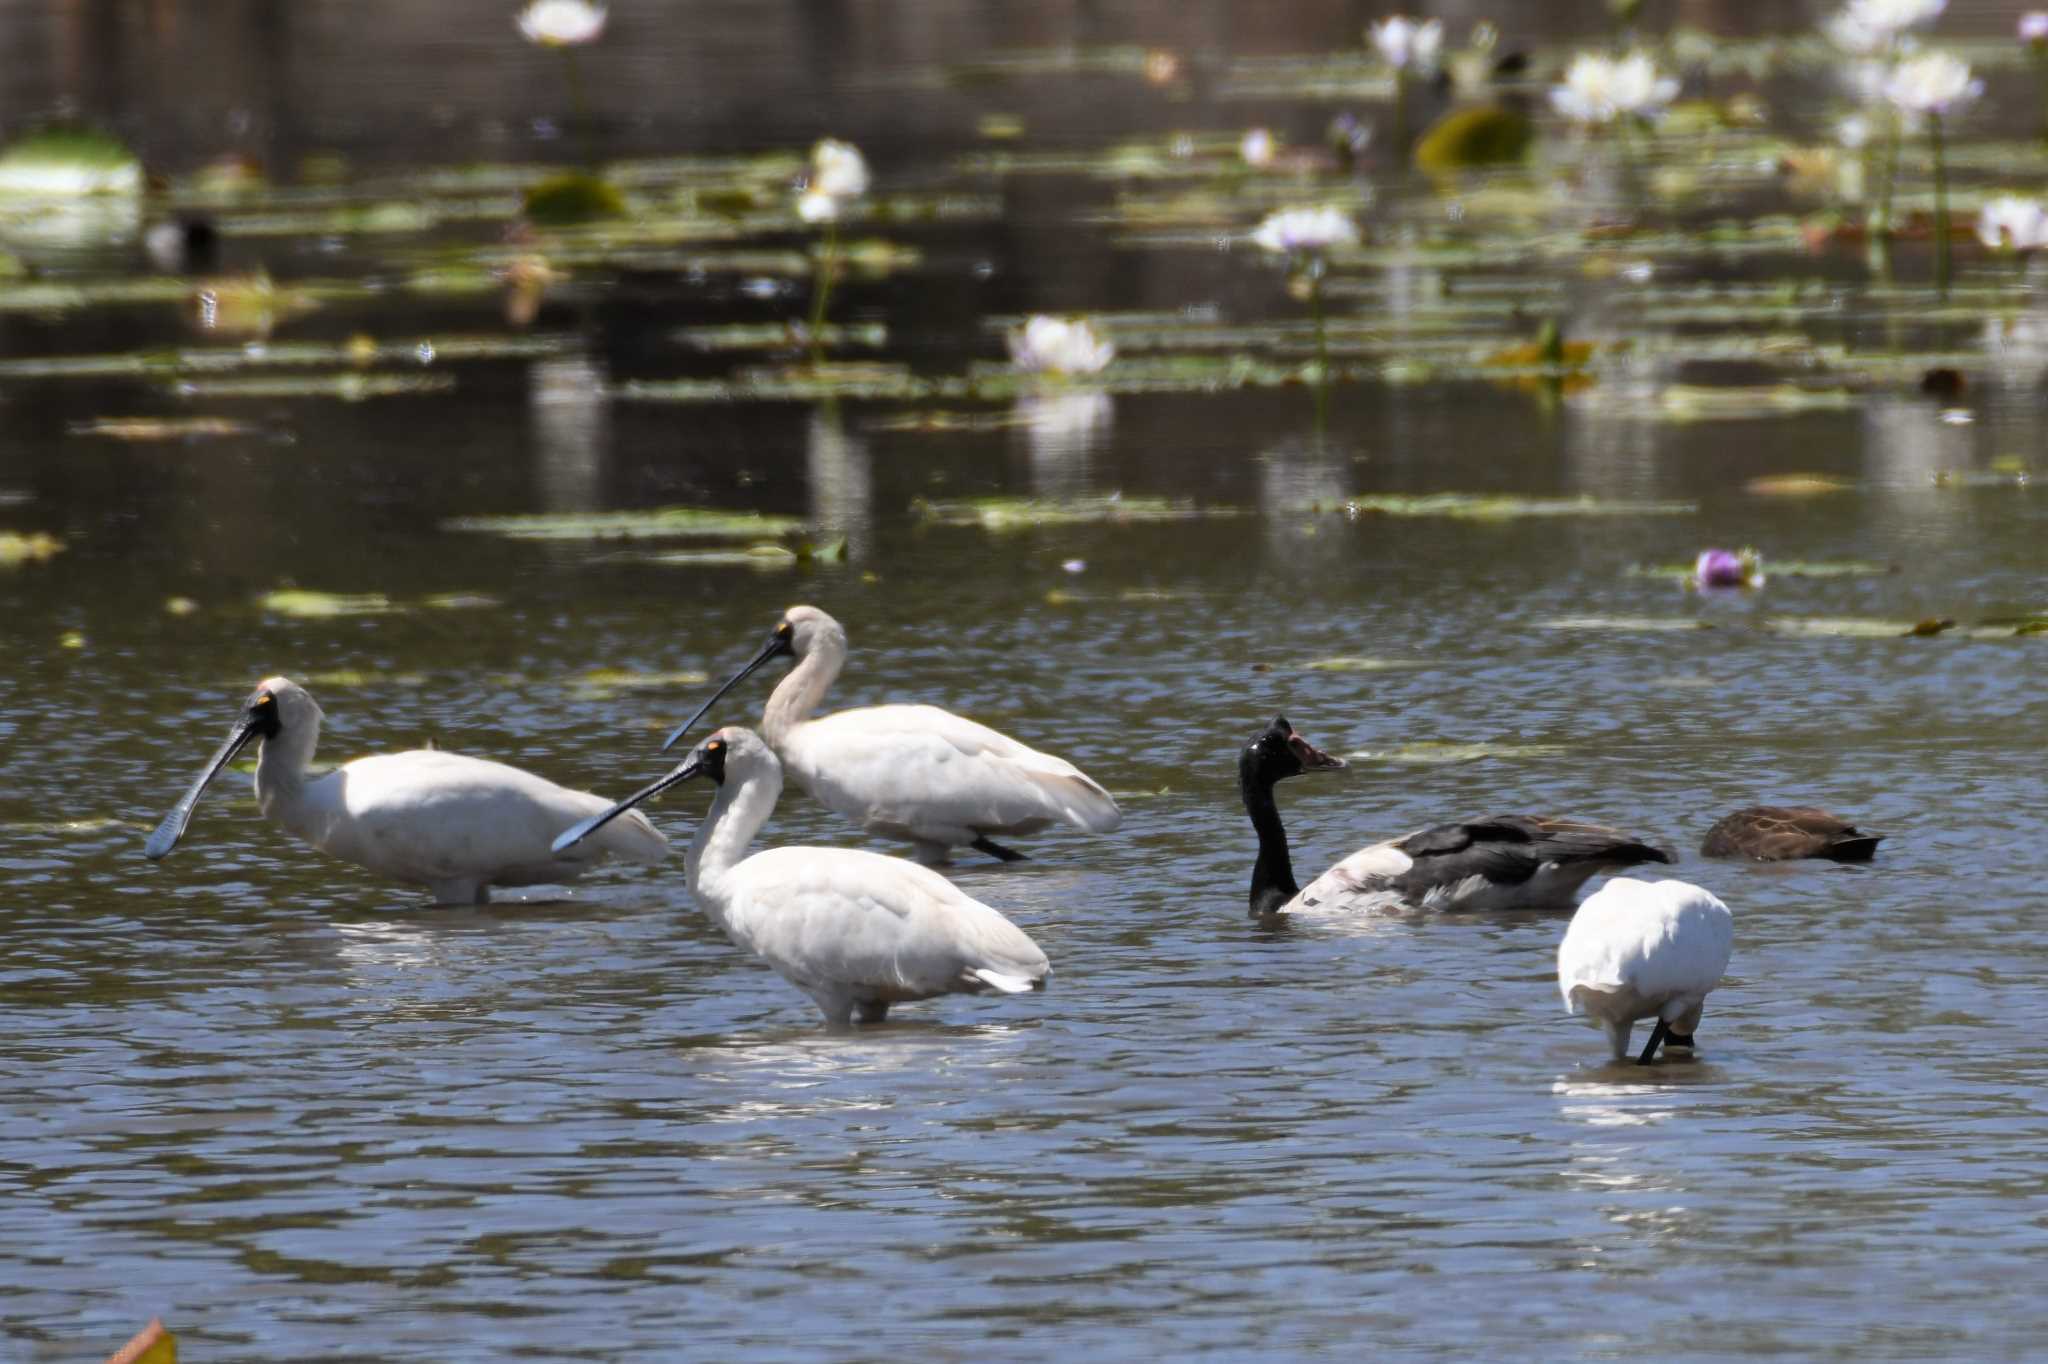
1055,345
1300,231
1728,568
561,23
1406,44
2010,223
1601,89
1932,83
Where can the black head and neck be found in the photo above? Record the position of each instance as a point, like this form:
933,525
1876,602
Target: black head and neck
1273,755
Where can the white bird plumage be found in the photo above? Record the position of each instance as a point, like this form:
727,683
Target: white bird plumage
912,772
452,824
856,931
1645,949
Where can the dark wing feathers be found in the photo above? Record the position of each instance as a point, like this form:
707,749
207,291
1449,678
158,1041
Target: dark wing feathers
1778,833
1509,849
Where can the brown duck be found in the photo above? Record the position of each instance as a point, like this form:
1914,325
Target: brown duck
1779,833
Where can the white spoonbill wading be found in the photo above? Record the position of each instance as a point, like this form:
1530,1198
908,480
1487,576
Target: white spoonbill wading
1502,862
856,931
456,825
1645,949
919,773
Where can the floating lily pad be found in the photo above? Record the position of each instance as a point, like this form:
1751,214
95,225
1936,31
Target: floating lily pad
1626,624
1796,485
1027,513
568,200
1434,754
602,682
753,556
1483,135
349,388
61,162
743,336
1357,664
659,523
36,547
306,605
460,601
1503,507
1848,568
146,429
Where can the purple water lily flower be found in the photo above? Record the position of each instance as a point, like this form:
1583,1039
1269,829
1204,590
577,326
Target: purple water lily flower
1727,568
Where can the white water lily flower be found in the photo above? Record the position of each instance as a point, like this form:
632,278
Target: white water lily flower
816,206
1406,45
2010,223
1294,230
1932,83
838,169
1059,345
1258,148
2033,27
561,23
1601,89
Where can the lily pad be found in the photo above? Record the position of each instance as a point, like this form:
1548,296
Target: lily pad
349,388
67,161
1796,485
659,523
1436,754
147,429
306,605
602,682
753,556
1483,135
567,200
1847,568
36,547
1002,514
1503,506
1358,664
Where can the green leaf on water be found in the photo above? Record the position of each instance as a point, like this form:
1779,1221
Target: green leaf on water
1429,753
658,523
573,198
1003,514
460,601
302,604
766,556
1795,568
36,547
68,160
1479,135
1359,664
1503,506
603,682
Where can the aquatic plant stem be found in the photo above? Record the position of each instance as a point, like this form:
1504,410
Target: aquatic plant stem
2041,80
821,293
1941,233
579,103
1315,300
1879,221
1400,147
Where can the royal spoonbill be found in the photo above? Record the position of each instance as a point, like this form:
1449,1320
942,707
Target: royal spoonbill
455,825
856,931
912,772
1645,949
1779,833
1504,862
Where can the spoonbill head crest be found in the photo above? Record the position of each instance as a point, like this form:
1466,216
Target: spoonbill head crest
802,631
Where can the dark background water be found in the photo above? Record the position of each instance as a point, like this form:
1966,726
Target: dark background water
300,1115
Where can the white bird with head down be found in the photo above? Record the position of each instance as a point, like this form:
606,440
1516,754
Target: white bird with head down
856,931
455,825
1645,949
918,773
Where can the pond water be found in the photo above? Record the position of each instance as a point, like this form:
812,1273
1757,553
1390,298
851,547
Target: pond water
299,1114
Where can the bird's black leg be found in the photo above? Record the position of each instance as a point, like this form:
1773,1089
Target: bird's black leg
1657,1036
1673,1039
997,850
